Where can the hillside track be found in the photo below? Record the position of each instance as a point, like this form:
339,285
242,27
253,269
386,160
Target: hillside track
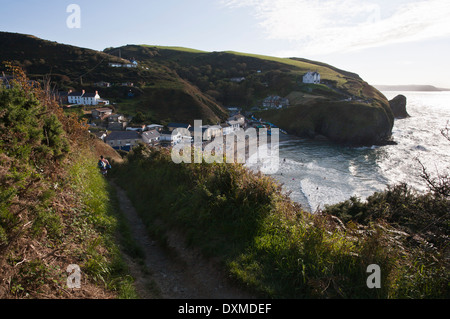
176,271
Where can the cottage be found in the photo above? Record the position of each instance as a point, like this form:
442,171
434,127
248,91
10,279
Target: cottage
214,131
208,132
171,138
154,127
238,118
151,137
311,78
101,114
173,126
226,128
101,135
234,125
103,84
123,140
275,102
83,98
117,122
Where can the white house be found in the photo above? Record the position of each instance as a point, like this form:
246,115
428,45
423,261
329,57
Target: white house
311,78
226,128
83,98
115,65
172,138
234,125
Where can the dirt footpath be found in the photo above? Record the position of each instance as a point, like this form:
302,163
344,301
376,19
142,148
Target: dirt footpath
174,272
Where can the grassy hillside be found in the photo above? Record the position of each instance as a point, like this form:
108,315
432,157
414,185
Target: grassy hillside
274,248
159,92
212,71
55,209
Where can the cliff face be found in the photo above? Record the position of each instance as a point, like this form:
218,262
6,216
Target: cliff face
398,106
341,122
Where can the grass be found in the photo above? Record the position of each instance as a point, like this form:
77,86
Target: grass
100,225
175,48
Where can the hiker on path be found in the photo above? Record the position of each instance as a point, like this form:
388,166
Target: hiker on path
103,165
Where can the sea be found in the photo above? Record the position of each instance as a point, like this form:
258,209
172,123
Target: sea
319,173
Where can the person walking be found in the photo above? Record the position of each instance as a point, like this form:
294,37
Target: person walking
104,166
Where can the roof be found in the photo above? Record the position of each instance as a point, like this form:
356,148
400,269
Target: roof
103,109
151,133
225,125
76,94
116,115
89,95
123,135
178,125
202,128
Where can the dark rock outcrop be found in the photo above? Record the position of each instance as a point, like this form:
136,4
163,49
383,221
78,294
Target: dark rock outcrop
341,122
398,106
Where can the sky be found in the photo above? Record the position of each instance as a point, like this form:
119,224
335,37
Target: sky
397,42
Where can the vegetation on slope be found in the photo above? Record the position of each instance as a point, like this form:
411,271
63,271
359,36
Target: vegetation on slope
55,208
271,246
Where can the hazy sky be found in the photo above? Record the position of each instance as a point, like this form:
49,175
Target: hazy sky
385,42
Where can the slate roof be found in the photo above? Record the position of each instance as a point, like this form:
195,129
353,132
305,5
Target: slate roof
123,135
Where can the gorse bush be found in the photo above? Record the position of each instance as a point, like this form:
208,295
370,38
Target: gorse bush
55,207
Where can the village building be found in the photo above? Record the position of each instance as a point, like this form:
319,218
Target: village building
173,126
151,137
63,97
311,78
127,84
237,80
157,127
117,122
238,118
100,135
275,102
208,132
102,113
123,140
102,84
83,98
214,131
171,138
226,129
234,125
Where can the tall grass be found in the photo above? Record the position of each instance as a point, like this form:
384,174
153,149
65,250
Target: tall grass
99,224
